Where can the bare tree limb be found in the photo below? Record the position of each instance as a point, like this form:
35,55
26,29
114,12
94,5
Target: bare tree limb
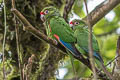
118,52
4,41
90,43
17,42
101,10
67,8
117,67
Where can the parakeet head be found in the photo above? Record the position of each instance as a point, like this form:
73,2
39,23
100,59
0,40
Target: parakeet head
77,23
48,12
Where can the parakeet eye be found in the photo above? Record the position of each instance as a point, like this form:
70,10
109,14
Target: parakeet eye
46,12
76,23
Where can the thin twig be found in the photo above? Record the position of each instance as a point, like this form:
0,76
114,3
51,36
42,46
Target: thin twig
17,42
109,63
118,52
107,33
113,68
116,72
67,8
90,44
18,50
5,30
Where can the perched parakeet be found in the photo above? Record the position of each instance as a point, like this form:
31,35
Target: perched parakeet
81,33
59,29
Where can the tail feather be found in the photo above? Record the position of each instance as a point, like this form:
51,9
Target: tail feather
70,47
95,54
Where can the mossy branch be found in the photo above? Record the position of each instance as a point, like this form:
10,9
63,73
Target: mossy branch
4,41
67,8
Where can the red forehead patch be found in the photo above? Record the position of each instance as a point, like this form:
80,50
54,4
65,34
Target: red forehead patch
71,22
42,13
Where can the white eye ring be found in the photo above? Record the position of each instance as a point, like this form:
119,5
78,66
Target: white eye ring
76,23
46,12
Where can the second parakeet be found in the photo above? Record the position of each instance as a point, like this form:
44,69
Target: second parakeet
81,33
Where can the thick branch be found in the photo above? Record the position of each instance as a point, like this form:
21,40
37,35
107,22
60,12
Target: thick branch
67,8
101,10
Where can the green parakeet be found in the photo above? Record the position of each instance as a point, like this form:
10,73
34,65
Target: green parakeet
81,33
59,29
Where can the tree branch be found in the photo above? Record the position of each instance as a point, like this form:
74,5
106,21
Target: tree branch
117,62
90,43
107,33
118,52
67,8
101,10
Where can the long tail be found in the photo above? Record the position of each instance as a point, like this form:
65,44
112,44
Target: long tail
69,46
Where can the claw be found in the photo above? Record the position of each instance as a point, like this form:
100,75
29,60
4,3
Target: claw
55,41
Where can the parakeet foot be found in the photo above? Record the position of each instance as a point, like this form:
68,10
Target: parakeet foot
55,41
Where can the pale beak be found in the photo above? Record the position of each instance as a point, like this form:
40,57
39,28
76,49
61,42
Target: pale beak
42,17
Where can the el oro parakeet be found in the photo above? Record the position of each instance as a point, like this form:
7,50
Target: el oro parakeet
81,33
59,29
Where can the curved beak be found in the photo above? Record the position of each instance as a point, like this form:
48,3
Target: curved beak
42,17
71,24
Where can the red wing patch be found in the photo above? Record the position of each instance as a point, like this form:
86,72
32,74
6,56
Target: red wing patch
50,28
56,36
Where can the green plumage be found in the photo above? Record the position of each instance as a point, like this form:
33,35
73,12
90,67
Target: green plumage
81,33
62,29
58,25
